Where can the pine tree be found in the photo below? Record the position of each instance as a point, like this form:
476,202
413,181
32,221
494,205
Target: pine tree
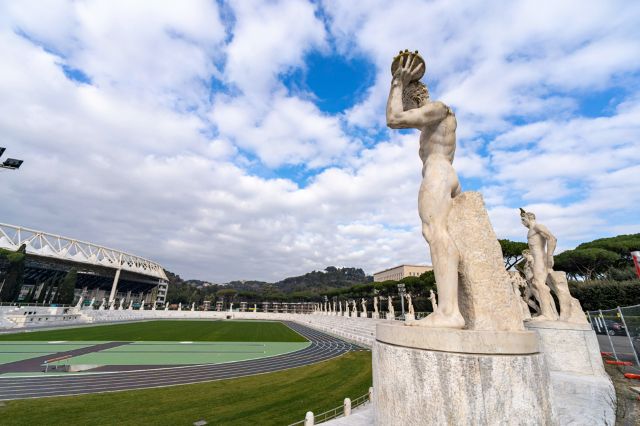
66,290
14,278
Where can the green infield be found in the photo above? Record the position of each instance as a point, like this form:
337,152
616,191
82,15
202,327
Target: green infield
169,331
267,399
18,351
167,353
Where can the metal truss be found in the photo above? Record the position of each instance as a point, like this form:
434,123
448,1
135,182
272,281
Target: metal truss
55,246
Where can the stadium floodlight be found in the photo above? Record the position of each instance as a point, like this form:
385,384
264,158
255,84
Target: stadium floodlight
10,163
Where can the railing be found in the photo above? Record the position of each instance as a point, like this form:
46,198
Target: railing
619,331
26,305
343,410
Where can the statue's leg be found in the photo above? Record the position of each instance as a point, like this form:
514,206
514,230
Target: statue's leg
548,310
434,205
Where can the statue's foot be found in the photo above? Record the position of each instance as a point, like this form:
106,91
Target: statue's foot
539,318
438,320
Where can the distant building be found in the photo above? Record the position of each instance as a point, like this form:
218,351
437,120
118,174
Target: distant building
399,272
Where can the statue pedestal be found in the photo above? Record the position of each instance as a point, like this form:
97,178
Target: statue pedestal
409,317
375,315
428,376
582,392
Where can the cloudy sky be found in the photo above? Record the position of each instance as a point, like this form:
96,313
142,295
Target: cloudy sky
247,139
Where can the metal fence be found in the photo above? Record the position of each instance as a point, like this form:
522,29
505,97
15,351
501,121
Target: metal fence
343,410
618,333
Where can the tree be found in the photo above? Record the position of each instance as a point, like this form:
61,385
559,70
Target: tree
588,263
66,289
512,252
622,245
14,277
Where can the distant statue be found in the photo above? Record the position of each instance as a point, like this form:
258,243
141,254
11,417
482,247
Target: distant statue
392,312
180,306
141,305
409,107
231,307
340,306
354,307
79,304
375,305
166,306
363,304
92,302
346,308
433,300
193,306
541,246
255,308
407,296
153,306
101,308
529,294
121,307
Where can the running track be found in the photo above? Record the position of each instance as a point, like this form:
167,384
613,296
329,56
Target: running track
323,347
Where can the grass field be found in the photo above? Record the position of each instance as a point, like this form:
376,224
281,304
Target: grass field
169,331
269,399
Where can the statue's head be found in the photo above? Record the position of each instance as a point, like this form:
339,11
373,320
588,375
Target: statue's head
415,95
526,217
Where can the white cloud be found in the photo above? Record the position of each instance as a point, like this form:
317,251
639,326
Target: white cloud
150,157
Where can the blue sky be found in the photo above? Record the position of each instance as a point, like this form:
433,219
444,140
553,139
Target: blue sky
247,139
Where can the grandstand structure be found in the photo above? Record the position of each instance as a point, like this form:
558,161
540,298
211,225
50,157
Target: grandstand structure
103,273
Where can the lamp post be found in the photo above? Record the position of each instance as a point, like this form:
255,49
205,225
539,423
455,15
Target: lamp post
9,163
401,292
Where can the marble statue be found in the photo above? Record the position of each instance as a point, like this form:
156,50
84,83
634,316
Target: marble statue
79,304
131,305
363,304
231,307
433,300
340,307
541,246
529,293
166,306
255,308
122,302
354,308
409,107
407,296
392,313
193,306
92,302
141,308
520,287
180,306
570,308
375,304
101,308
346,308
153,306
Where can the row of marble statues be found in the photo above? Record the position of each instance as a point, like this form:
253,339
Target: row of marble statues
350,306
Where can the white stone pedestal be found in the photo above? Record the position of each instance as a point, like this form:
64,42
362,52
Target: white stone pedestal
426,376
582,392
409,317
375,315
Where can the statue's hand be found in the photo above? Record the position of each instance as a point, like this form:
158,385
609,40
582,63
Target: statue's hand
409,70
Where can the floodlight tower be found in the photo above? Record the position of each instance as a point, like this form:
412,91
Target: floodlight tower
9,163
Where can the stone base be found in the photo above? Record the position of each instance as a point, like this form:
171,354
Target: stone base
582,392
375,315
428,387
409,317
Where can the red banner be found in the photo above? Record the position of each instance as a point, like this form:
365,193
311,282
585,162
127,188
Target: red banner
636,261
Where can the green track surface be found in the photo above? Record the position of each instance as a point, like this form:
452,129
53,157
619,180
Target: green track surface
267,399
17,351
169,331
167,353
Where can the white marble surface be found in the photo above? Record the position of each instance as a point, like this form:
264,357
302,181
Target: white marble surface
422,387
